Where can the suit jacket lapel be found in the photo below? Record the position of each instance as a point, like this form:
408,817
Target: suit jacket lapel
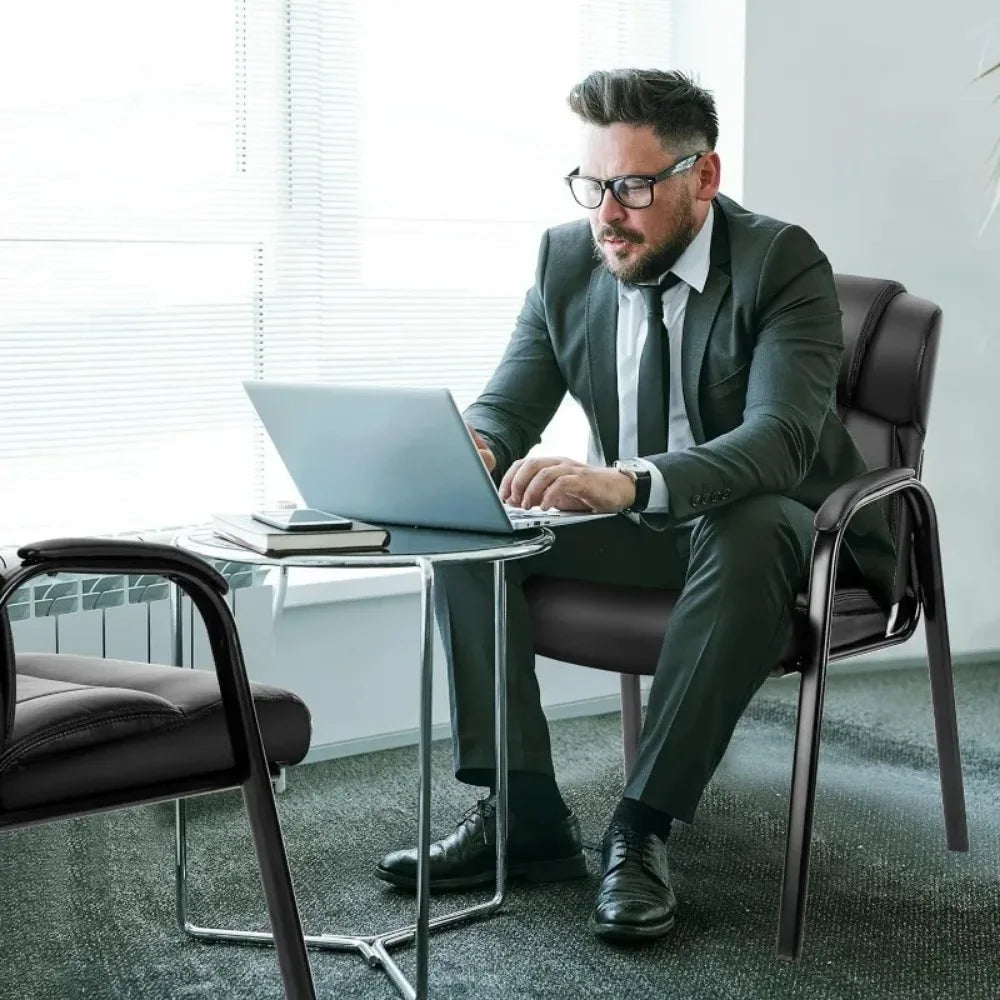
699,317
602,352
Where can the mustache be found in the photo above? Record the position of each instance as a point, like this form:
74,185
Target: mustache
617,232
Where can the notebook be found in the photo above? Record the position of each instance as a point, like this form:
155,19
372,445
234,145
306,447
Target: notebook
244,530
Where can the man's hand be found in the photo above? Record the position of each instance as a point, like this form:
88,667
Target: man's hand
566,485
485,452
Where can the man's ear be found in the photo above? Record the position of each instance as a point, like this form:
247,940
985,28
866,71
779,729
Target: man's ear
709,176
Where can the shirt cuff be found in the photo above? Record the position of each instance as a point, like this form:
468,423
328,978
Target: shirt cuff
659,498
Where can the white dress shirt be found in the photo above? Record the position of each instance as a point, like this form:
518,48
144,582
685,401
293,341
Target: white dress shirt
692,268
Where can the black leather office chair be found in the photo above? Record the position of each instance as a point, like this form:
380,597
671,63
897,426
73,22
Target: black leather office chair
80,735
883,395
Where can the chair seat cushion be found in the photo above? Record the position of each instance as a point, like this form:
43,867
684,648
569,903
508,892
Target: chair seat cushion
84,725
620,628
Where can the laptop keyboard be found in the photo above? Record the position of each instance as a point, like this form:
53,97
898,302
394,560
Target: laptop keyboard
519,513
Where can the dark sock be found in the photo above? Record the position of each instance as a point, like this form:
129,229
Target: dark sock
531,795
528,791
643,818
536,796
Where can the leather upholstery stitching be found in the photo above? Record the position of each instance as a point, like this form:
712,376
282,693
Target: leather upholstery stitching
70,689
19,749
916,388
873,317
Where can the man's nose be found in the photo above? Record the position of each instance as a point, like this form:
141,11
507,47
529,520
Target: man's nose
610,210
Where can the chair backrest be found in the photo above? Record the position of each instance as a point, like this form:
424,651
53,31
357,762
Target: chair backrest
884,391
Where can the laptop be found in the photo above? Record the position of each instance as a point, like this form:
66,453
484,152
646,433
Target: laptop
389,455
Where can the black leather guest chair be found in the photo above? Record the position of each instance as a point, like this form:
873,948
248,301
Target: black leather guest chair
80,735
883,397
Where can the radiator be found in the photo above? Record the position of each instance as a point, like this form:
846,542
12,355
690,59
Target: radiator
127,617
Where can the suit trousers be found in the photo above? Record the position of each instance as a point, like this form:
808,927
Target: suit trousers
738,569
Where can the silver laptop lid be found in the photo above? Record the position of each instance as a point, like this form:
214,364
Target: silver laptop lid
380,453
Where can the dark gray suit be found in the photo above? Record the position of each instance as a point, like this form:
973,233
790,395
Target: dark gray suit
761,351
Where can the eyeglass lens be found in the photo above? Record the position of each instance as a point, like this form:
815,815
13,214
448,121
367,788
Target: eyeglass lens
633,192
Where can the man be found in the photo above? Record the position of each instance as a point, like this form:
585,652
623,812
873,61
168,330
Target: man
704,344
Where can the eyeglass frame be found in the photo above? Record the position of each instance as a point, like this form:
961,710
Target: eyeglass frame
651,179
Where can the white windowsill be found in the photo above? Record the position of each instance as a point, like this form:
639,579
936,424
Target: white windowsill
327,586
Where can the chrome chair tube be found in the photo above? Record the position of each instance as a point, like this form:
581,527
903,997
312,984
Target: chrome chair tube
500,721
424,827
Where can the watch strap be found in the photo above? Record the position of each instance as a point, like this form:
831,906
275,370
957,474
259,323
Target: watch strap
643,481
643,484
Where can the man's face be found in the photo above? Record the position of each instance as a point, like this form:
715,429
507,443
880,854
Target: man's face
639,245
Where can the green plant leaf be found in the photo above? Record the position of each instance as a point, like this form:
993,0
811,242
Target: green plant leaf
986,72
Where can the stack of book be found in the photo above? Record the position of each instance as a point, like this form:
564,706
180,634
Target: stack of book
245,530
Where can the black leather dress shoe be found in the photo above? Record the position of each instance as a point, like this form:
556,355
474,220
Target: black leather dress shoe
635,901
467,857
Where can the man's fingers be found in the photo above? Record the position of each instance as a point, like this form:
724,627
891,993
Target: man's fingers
519,485
566,493
484,449
560,493
508,477
541,482
521,474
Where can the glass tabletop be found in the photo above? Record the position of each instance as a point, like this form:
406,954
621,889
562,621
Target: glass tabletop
407,547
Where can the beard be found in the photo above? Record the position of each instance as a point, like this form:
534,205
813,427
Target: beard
658,258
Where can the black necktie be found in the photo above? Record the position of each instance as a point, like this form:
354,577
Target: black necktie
654,372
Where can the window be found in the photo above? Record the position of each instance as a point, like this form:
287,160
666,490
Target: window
203,192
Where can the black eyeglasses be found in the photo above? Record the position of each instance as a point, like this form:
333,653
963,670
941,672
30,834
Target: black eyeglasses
629,190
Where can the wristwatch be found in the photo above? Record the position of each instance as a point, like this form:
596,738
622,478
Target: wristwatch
639,474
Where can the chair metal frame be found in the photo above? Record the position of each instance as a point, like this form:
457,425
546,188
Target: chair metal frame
250,772
830,523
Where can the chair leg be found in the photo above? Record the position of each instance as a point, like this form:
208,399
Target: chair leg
795,882
631,720
928,554
258,795
276,878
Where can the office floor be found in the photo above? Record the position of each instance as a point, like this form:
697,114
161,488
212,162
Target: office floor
88,904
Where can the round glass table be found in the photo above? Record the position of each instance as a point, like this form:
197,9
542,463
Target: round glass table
425,549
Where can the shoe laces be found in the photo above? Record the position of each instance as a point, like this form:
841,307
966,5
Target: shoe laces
485,807
635,842
638,845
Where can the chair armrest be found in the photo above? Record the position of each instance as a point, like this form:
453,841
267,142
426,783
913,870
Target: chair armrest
204,584
838,508
119,555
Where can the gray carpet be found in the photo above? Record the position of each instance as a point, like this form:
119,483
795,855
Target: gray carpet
88,904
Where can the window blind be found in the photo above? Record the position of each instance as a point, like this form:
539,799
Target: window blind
204,192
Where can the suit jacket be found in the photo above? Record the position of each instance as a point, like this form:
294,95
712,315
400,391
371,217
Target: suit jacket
760,357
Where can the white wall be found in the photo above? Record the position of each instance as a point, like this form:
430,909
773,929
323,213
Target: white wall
862,125
708,43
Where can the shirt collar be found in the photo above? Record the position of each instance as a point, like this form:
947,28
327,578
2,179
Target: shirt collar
692,265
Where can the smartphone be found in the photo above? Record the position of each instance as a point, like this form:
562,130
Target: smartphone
301,519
